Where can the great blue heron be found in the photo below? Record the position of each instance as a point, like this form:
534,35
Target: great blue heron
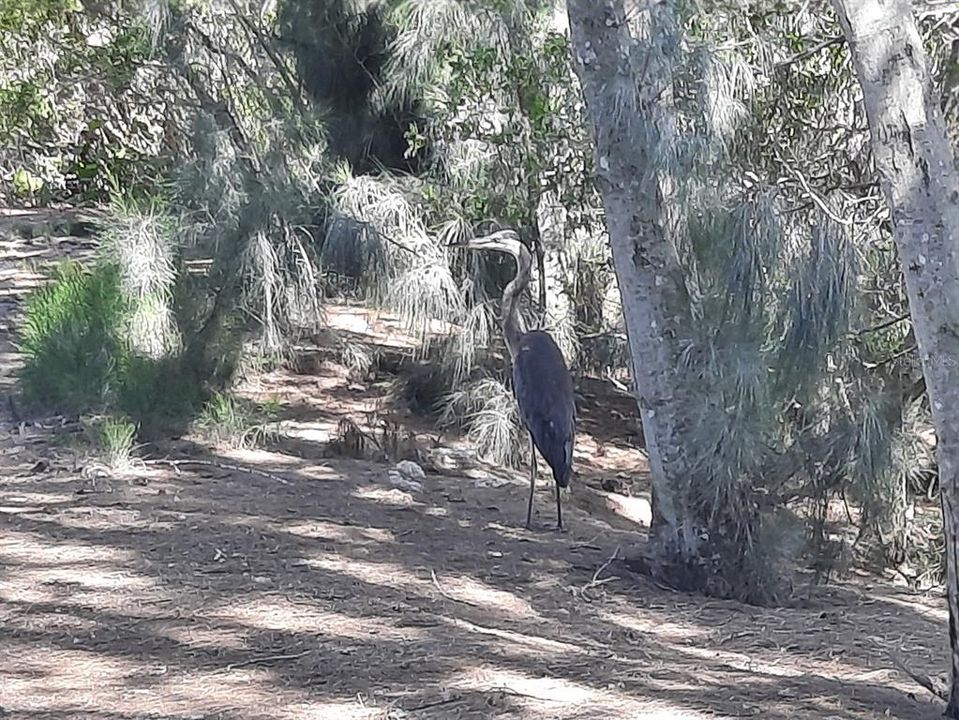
541,381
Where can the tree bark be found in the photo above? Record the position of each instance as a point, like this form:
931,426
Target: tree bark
626,82
921,186
557,308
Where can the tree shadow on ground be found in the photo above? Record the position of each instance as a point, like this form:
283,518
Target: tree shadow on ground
325,591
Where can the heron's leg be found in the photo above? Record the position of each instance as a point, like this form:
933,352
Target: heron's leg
559,510
532,481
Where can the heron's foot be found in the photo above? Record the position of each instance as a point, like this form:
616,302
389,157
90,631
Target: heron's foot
560,528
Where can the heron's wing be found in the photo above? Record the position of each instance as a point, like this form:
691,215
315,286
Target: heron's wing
544,393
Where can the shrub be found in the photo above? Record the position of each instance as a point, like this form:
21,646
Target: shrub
78,355
72,339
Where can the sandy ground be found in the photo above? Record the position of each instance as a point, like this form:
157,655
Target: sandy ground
266,584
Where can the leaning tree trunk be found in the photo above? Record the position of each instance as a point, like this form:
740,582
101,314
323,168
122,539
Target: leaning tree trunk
626,85
921,186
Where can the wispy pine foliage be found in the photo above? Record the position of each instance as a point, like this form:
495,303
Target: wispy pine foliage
140,240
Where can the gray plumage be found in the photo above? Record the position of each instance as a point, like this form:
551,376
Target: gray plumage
544,392
541,381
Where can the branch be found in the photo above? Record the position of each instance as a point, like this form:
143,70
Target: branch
819,202
923,680
175,464
890,359
224,119
882,325
292,87
815,49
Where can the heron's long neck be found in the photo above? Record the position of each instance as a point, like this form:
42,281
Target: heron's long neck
512,325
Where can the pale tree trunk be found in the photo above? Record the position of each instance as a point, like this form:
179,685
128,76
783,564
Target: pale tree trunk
557,310
626,85
921,186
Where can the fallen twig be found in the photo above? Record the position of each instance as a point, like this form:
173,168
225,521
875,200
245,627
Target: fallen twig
434,703
175,464
923,680
436,584
595,581
266,659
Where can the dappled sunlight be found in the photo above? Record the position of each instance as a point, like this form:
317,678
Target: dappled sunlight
938,615
751,663
211,639
516,533
335,532
332,710
647,623
38,551
20,501
314,431
376,573
306,618
552,697
265,459
386,496
456,587
471,591
87,583
529,687
80,681
519,641
218,689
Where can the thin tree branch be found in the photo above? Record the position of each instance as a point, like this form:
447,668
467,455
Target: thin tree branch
814,50
291,85
882,325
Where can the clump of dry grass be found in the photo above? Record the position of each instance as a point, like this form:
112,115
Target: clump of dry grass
112,439
228,420
140,239
487,410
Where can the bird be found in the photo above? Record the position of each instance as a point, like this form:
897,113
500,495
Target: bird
542,383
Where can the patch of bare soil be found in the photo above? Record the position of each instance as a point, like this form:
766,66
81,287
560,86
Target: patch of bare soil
287,584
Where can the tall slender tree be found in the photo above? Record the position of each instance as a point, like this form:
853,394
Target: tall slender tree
622,58
921,186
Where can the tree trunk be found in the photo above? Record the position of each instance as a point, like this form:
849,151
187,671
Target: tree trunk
626,82
557,310
921,186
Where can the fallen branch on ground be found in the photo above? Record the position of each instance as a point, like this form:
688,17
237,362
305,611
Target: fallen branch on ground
436,584
923,680
266,659
175,464
595,581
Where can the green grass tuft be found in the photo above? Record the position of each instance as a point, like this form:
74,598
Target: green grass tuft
113,438
72,339
78,354
234,422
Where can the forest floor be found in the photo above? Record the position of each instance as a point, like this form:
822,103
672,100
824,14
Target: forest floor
287,583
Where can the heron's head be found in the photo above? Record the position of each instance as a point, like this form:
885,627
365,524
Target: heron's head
506,241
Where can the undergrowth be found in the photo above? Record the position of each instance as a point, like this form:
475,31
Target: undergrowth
78,357
112,439
229,420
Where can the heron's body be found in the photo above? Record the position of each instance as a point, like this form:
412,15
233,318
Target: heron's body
544,392
541,381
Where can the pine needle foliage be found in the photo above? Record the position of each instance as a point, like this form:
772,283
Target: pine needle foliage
139,238
487,410
72,339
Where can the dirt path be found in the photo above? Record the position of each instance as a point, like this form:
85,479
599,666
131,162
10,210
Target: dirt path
326,592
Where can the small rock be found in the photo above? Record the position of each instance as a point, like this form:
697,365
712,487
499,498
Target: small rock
451,459
399,481
410,469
